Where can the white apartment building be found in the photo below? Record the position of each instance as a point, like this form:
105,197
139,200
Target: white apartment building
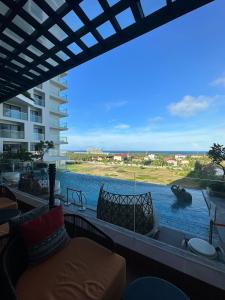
39,115
27,119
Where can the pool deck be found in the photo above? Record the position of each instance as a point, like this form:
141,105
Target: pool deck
220,214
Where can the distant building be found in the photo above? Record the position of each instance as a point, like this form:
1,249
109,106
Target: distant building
180,156
120,157
151,157
170,161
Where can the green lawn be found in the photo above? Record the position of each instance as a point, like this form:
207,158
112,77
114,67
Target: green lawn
154,175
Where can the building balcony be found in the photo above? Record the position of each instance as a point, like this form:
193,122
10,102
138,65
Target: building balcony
60,82
38,136
59,125
63,140
39,102
9,113
11,134
60,111
37,119
58,96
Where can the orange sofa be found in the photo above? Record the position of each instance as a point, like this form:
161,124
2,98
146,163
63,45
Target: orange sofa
86,269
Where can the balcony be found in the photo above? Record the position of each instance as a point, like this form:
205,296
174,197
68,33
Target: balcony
60,82
39,102
60,111
37,119
38,136
59,125
9,113
62,98
63,140
11,134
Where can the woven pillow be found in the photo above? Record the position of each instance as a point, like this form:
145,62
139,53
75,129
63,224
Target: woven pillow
14,223
45,235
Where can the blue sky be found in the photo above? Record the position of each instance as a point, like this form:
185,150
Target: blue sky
162,91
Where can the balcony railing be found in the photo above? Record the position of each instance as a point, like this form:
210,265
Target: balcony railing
40,102
59,95
12,134
63,140
37,119
59,109
60,80
10,113
61,125
38,136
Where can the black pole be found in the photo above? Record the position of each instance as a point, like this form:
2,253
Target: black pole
51,174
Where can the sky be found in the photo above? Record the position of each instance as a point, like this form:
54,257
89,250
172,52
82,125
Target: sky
162,91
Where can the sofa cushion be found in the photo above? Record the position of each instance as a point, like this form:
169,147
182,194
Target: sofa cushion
7,203
4,229
45,235
83,270
15,222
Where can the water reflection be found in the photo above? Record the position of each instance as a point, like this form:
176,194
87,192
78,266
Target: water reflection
181,204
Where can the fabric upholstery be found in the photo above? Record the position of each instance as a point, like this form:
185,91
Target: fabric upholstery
83,270
45,235
7,203
20,219
4,229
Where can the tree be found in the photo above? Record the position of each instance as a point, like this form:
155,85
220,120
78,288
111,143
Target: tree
21,154
217,155
42,148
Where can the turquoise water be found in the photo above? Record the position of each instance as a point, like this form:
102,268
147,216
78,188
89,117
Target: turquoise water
193,218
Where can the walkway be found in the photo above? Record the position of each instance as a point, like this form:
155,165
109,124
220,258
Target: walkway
220,213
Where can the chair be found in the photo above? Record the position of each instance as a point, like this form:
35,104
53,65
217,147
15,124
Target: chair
8,202
134,212
87,261
7,198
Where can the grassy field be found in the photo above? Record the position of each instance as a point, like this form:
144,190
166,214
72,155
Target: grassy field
152,175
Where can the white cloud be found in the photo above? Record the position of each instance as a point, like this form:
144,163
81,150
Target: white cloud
122,126
219,81
189,106
115,104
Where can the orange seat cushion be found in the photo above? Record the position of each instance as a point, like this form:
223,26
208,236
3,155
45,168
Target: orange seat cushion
83,270
6,203
4,229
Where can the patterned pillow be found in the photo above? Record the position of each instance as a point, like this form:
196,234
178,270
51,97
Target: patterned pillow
14,223
45,235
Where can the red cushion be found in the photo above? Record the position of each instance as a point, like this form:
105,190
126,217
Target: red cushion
40,228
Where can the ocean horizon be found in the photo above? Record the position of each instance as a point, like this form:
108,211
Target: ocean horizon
184,152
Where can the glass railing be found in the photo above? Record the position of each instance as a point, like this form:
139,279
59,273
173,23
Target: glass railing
40,102
56,124
59,109
58,94
38,136
63,139
10,113
12,134
60,80
37,119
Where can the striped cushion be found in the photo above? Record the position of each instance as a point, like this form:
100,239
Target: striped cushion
45,235
14,223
